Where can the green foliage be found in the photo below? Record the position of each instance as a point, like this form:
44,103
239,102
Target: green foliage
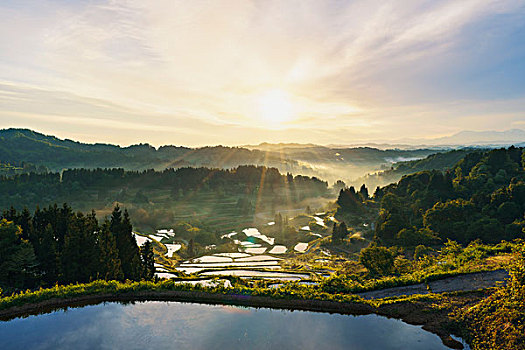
336,284
17,259
452,260
411,237
402,265
110,267
100,287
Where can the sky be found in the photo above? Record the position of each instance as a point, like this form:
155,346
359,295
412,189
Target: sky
243,72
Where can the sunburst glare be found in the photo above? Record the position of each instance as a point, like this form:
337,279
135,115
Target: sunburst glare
275,107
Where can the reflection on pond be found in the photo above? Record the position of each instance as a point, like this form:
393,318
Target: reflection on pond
173,325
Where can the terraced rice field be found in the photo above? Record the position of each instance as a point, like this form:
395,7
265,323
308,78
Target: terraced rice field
254,259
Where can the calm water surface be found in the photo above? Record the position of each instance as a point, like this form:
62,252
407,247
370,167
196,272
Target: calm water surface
173,325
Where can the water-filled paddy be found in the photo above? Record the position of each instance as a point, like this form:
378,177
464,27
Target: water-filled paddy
319,221
231,264
253,232
188,270
278,249
141,239
172,248
301,247
210,259
284,276
258,258
255,250
233,255
157,237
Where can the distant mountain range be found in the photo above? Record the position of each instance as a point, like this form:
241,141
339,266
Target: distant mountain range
506,137
461,139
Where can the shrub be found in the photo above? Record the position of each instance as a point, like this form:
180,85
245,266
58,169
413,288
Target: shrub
377,260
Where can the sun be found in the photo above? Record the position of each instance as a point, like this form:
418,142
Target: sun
275,107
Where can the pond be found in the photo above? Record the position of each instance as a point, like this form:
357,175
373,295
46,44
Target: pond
174,325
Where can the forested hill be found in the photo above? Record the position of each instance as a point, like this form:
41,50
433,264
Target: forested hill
481,197
23,150
439,161
22,145
164,197
18,146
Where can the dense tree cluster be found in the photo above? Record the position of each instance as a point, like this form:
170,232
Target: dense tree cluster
75,184
56,244
15,168
350,201
438,161
483,197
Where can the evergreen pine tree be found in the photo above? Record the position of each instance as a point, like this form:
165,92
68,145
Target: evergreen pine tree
47,255
24,220
128,250
148,261
335,232
109,263
363,191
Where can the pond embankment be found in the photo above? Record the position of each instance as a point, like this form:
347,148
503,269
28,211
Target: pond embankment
410,311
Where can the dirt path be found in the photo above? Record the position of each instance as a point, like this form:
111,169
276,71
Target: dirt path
467,282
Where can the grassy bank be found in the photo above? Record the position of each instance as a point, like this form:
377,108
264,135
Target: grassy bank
498,321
